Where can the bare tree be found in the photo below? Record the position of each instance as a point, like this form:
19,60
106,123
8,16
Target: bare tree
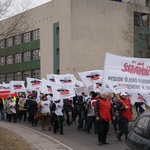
9,25
137,19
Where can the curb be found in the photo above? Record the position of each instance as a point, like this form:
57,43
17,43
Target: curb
36,139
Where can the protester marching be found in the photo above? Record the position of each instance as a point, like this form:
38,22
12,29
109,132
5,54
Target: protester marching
101,98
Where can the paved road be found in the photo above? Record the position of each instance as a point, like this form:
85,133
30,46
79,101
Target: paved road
71,140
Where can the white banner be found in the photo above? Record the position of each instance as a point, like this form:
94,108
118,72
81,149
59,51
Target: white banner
17,86
65,79
79,90
50,77
62,91
33,84
93,77
79,83
46,87
127,74
137,97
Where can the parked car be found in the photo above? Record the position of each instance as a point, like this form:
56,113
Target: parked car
139,135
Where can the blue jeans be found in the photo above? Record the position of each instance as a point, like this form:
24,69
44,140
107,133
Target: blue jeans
2,114
91,120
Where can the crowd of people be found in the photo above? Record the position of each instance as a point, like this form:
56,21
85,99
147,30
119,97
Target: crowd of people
94,111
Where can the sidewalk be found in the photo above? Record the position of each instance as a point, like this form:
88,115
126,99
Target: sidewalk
36,139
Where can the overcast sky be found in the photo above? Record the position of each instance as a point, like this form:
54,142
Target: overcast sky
38,2
18,6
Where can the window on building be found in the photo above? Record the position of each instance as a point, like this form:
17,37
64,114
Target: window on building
58,71
147,37
140,36
36,73
140,54
2,61
57,30
57,51
27,56
18,58
26,74
9,42
18,76
17,39
9,77
36,54
35,35
147,3
141,19
2,44
26,37
2,78
9,59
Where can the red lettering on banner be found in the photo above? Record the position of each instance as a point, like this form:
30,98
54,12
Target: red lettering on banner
49,90
17,88
64,93
95,78
52,80
138,70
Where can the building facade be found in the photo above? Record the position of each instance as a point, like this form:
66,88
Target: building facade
67,36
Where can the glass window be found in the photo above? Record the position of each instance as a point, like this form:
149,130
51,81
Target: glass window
26,37
18,76
2,61
36,54
17,39
26,74
58,71
142,125
27,56
57,30
57,51
35,35
140,36
140,54
9,77
36,73
2,78
18,58
9,42
9,59
2,44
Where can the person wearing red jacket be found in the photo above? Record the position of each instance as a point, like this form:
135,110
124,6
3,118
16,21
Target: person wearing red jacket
103,113
125,114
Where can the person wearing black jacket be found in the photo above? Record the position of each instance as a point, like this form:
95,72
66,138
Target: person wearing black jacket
82,114
32,110
67,108
139,107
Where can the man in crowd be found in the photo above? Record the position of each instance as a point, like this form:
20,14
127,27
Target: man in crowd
125,113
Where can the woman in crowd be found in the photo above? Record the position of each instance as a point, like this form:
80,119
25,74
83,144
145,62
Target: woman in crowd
22,107
44,107
11,109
